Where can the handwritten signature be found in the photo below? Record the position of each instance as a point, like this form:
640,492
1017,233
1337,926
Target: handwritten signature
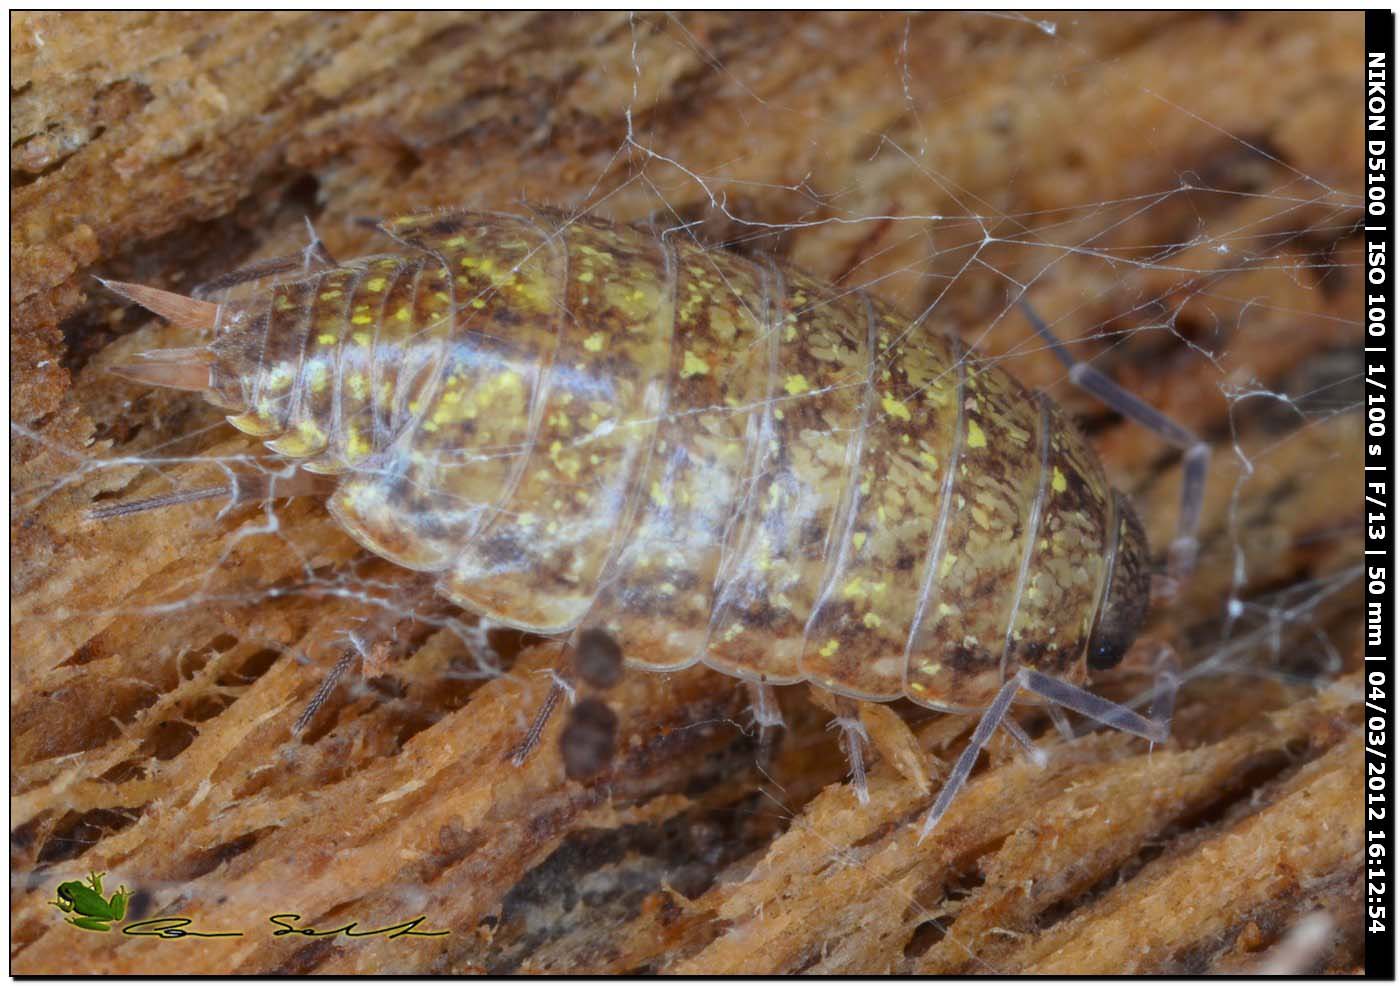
180,927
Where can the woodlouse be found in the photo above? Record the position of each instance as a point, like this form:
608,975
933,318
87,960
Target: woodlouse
682,455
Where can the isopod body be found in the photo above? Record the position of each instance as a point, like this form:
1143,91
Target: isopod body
583,425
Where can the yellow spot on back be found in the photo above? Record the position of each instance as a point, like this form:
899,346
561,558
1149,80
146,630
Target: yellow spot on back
594,343
829,648
975,438
362,319
871,620
361,338
327,339
375,284
456,241
356,444
694,366
280,377
328,295
858,539
403,314
895,408
797,384
1058,481
586,277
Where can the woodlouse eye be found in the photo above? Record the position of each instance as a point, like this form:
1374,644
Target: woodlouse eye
588,740
598,658
1107,652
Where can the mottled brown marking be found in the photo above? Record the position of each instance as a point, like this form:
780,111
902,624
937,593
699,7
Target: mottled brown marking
588,740
598,658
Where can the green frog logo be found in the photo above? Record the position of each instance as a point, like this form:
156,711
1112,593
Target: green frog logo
87,908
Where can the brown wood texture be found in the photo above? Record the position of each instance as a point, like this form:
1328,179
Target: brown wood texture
1180,191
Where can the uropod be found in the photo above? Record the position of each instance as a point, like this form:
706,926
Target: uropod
664,454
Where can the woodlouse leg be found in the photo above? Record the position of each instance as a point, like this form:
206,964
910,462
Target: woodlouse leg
987,725
1166,670
597,660
240,490
767,718
1037,755
1164,688
1181,556
253,272
328,684
559,686
1100,709
521,753
1061,693
853,738
1062,723
312,258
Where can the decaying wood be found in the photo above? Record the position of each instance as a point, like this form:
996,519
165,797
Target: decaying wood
160,660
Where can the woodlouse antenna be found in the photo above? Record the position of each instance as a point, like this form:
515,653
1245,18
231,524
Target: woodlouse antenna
179,310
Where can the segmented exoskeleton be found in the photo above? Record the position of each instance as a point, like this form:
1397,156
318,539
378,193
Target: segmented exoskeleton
588,427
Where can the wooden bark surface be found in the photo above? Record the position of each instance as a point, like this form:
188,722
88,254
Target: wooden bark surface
1180,190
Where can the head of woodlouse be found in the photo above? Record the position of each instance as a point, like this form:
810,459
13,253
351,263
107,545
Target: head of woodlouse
1128,592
